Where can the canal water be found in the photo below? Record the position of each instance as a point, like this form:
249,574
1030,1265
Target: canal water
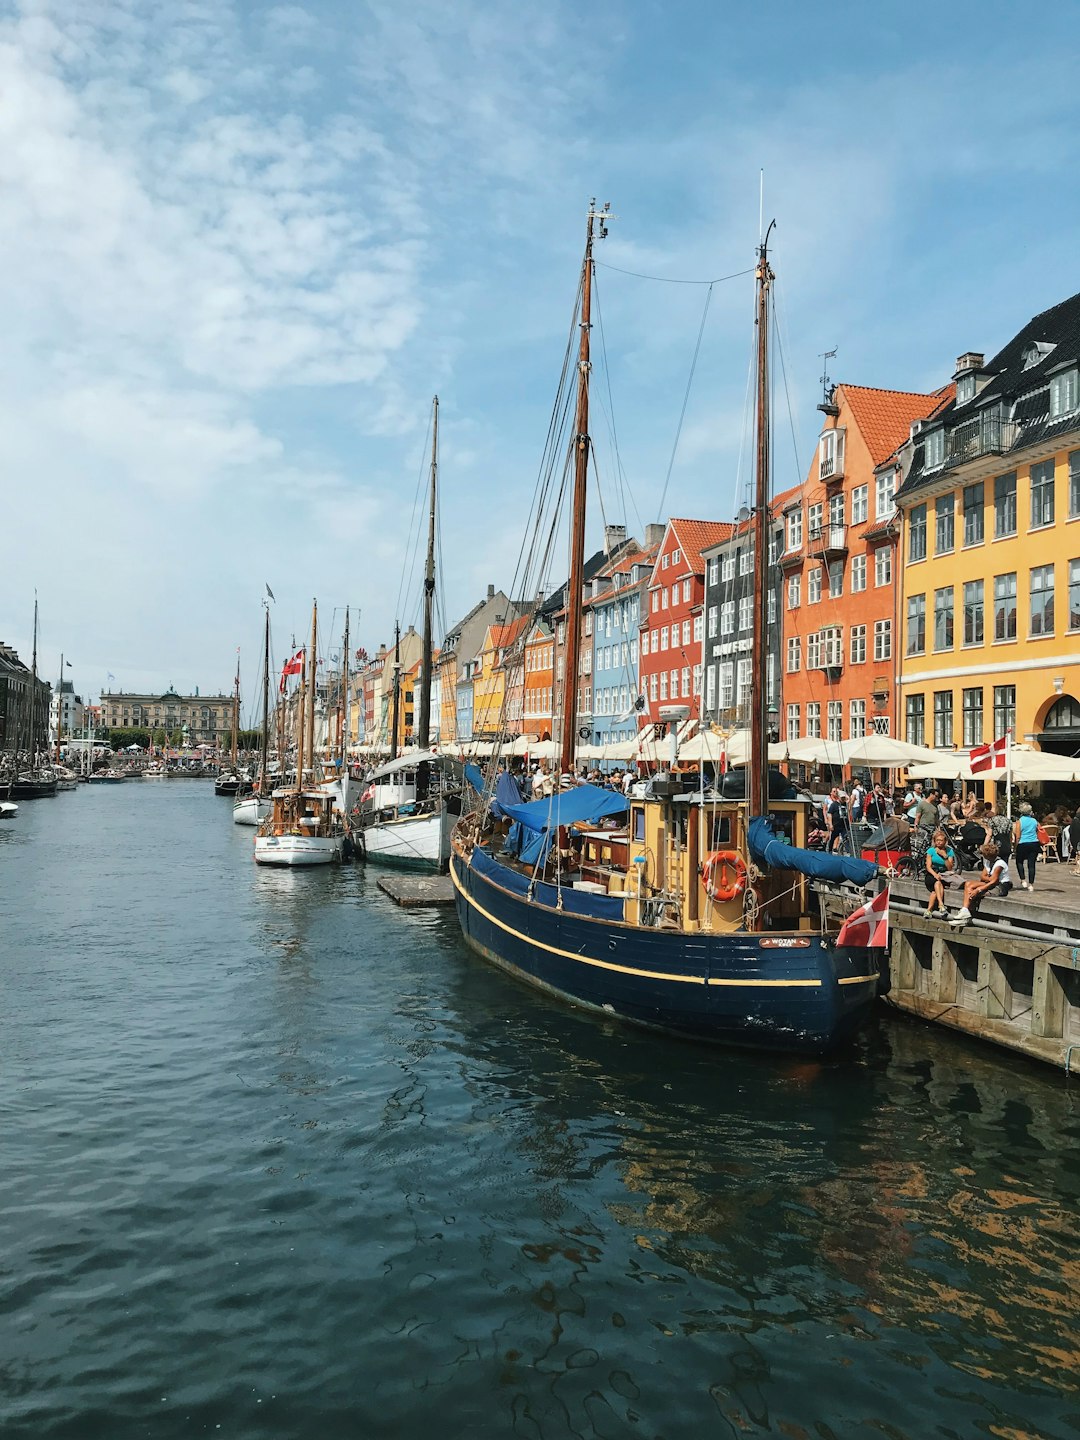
278,1159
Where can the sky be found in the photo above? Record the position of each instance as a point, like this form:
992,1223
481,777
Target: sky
243,244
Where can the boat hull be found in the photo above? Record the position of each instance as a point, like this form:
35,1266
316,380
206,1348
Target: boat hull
251,810
789,993
30,789
297,850
420,842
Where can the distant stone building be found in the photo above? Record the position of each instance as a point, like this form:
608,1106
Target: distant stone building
70,710
203,719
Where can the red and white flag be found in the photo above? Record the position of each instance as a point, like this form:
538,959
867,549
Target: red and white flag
989,757
867,927
292,666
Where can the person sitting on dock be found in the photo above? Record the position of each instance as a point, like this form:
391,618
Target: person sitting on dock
995,876
941,869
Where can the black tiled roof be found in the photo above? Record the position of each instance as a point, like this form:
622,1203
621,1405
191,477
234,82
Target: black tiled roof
1023,393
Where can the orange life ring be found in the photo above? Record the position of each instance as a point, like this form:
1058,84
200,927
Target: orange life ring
731,882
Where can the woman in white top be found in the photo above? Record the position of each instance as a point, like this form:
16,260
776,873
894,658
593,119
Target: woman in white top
995,876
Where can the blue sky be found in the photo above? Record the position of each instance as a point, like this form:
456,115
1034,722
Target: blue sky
242,245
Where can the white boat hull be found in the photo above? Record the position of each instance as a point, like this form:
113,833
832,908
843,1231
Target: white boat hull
419,840
297,850
251,810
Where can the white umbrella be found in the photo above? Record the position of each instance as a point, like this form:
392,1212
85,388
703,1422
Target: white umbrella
1027,766
884,751
812,748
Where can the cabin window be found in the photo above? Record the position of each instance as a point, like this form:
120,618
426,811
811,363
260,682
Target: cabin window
639,823
721,832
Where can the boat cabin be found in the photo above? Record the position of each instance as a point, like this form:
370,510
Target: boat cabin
309,812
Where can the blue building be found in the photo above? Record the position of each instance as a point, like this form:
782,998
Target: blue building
613,614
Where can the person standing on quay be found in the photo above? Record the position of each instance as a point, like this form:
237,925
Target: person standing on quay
1026,846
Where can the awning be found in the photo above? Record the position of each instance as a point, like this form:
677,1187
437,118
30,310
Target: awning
405,762
569,807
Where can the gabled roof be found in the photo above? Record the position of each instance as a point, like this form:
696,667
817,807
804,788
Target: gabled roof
885,417
503,635
784,499
694,536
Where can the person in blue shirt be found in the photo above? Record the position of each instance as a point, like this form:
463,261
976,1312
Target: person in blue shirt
941,869
1026,847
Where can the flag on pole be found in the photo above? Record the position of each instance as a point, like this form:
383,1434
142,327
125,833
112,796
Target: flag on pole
868,927
292,666
269,591
989,757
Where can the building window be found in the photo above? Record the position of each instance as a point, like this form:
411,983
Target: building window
1005,505
934,449
915,720
686,632
664,563
943,618
793,722
1042,494
1074,594
813,651
1004,709
727,569
653,682
697,680
945,539
814,515
746,561
663,685
727,684
836,720
973,717
836,511
1063,393
1005,607
685,591
836,579
699,628
860,501
1074,484
794,653
813,719
770,607
916,624
974,513
917,533
674,685
663,637
663,599
676,556
712,621
794,591
973,612
645,639
686,681
832,641
714,571
727,617
1042,600
883,565
710,689
813,586
746,612
858,645
965,389
857,719
655,603
884,504
943,719
794,529
858,573
882,639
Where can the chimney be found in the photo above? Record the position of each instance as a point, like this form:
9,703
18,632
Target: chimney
491,592
653,535
971,360
614,536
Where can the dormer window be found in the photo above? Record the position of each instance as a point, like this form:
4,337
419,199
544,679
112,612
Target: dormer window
1064,393
965,389
1037,350
934,449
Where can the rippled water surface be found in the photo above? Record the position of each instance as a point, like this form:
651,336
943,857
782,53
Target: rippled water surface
278,1159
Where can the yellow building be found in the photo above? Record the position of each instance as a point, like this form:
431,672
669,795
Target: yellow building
489,677
990,549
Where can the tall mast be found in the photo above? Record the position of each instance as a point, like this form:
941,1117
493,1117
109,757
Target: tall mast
236,716
345,695
397,692
757,784
59,705
266,702
423,733
576,583
32,747
301,695
311,690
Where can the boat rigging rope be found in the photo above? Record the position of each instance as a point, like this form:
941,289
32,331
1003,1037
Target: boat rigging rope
686,400
670,280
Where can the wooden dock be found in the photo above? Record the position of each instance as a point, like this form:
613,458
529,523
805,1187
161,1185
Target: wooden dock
1011,976
415,892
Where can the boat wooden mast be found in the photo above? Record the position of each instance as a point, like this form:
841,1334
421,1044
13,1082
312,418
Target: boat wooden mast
263,759
311,690
343,738
396,706
576,583
423,736
300,698
236,716
757,777
60,708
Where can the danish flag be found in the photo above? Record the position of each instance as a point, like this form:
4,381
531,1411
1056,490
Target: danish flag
868,927
292,666
989,757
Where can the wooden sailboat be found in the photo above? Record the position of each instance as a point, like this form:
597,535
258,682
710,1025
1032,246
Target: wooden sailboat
250,809
681,910
304,827
411,814
229,783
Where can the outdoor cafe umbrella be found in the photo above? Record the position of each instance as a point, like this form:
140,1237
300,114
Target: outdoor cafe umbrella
883,752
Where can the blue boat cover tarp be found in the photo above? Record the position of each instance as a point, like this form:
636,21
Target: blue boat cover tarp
475,778
569,807
768,849
507,793
574,902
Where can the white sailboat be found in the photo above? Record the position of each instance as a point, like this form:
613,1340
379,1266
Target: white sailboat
303,827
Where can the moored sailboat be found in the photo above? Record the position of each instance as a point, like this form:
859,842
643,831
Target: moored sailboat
680,909
250,809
